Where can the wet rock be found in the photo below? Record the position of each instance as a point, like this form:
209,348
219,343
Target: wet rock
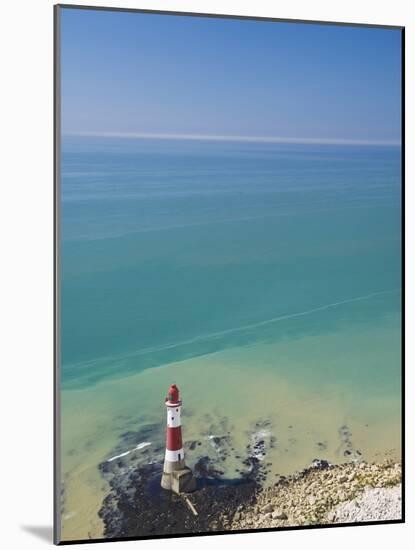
320,464
137,506
205,468
346,447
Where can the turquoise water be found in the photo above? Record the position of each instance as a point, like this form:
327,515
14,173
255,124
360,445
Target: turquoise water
174,249
264,279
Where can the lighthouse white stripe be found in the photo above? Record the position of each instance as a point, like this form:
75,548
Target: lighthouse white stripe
173,417
174,456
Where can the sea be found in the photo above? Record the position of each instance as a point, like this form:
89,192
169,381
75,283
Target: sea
264,279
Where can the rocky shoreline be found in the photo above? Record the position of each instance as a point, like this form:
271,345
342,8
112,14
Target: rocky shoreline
317,496
320,494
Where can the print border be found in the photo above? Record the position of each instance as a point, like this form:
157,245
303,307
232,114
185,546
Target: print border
57,268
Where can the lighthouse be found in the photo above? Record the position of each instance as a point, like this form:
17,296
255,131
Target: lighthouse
177,477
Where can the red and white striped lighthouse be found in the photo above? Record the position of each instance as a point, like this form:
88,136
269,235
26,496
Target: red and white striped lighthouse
176,475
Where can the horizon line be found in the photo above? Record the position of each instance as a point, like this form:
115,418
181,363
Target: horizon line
252,139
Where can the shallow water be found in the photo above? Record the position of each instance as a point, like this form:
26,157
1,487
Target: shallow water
263,279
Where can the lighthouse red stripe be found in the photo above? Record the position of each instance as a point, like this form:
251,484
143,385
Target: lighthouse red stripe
174,439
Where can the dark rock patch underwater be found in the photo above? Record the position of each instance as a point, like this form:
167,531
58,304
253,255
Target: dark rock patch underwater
137,506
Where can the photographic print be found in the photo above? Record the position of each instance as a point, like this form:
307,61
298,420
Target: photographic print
229,274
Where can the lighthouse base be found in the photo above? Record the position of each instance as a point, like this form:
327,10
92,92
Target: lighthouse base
179,481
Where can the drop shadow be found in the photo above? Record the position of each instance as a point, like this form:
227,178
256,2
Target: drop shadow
43,532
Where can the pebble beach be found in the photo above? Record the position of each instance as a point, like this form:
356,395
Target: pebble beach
326,494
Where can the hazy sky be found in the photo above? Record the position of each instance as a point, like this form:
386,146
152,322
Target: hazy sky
159,74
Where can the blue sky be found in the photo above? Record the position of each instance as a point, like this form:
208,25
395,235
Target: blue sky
132,73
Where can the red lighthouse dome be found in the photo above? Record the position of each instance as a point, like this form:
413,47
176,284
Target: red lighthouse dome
173,394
